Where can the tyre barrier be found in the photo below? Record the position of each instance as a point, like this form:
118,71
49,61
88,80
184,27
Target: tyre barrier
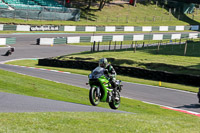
69,28
7,41
117,38
128,71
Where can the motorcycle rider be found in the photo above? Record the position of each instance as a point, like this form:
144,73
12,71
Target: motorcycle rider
110,71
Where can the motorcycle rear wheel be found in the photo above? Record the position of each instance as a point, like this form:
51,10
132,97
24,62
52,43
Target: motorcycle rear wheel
114,104
94,99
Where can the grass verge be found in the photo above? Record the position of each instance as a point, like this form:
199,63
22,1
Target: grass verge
168,58
98,122
33,63
148,118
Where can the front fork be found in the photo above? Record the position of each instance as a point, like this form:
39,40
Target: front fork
98,93
109,96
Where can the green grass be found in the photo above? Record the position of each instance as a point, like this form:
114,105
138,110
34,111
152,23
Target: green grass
98,122
25,85
169,58
118,43
125,14
148,118
33,63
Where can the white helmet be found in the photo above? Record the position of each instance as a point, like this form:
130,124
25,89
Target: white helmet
103,62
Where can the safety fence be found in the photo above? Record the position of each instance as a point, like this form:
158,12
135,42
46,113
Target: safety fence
117,38
7,41
97,28
72,14
128,71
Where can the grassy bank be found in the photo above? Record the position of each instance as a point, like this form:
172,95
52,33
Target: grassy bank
124,14
33,63
168,58
148,118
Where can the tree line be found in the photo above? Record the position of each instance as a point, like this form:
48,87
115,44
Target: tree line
101,3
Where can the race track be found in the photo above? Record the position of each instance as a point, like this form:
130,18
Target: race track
156,95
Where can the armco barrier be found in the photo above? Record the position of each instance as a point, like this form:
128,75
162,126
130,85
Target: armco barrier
97,28
129,71
7,41
106,38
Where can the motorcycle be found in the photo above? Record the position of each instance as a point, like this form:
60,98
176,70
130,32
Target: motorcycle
101,90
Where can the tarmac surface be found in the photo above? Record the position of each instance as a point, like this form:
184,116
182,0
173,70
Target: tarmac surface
27,49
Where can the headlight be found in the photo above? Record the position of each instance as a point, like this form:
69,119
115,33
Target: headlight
90,76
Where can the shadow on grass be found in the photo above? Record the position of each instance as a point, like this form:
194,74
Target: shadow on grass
175,49
193,70
179,15
89,14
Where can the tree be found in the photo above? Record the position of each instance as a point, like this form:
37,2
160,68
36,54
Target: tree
89,2
189,1
102,3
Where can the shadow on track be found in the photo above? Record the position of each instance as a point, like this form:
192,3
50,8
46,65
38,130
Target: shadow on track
191,106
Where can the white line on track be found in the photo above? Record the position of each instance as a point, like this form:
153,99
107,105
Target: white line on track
162,106
86,76
161,87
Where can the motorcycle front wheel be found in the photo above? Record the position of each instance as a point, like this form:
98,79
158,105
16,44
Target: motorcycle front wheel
94,99
115,103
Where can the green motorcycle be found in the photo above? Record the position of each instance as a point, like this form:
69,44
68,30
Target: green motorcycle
101,90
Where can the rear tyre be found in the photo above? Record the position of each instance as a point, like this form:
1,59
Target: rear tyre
115,103
94,99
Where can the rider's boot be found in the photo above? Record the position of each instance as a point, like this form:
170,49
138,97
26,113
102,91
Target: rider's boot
115,94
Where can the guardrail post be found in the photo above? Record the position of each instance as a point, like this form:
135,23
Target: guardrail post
91,48
94,46
115,45
185,50
109,45
158,46
121,45
193,46
135,47
132,45
143,45
98,46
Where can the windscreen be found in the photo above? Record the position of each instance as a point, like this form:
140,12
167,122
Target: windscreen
96,73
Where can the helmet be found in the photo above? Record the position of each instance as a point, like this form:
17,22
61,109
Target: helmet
103,62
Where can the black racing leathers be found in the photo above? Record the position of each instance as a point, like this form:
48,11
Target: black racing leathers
112,75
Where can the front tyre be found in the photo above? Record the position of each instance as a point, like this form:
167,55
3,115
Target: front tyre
94,99
115,103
